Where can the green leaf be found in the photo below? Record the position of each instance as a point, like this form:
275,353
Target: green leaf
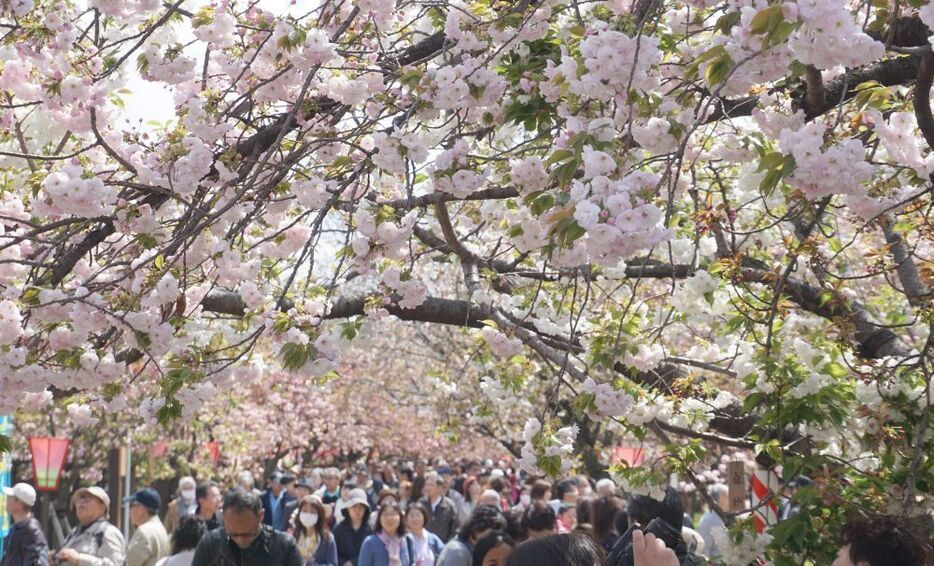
142,64
718,70
726,22
295,356
6,444
543,203
766,20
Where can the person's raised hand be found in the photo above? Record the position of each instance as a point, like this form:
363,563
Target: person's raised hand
648,550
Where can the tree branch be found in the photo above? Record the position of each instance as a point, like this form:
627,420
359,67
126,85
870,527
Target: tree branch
915,289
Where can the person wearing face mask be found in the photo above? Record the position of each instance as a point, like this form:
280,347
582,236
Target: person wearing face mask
310,529
183,505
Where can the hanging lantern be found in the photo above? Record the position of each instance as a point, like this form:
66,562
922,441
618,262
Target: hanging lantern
48,459
632,455
215,450
159,449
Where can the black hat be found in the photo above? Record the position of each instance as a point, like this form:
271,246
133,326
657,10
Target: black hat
147,497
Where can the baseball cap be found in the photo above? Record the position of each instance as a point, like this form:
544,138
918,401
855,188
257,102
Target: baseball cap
147,497
303,482
445,471
22,491
93,491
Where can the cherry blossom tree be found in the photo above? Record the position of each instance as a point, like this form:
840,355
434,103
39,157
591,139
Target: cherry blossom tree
706,223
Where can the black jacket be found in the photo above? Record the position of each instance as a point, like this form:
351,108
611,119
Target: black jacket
349,541
444,521
25,545
271,548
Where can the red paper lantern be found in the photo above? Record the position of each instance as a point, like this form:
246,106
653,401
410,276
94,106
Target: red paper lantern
215,451
48,459
159,448
634,456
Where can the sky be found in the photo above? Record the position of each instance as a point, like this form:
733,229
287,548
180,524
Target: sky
153,101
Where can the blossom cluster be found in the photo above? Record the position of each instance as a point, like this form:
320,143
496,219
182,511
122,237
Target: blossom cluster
830,36
70,193
411,292
500,344
819,171
609,401
618,220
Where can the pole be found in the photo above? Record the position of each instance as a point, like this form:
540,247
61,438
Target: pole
127,479
44,512
113,484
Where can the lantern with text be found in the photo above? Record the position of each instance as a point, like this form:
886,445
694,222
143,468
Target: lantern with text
48,459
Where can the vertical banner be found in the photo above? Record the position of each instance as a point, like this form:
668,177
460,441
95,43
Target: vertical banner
765,485
736,482
6,428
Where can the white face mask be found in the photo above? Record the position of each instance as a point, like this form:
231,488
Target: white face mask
525,499
188,494
308,519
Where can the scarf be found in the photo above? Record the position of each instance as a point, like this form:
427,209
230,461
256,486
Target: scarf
393,547
308,544
424,556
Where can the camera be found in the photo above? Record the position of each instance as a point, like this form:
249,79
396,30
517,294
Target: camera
621,553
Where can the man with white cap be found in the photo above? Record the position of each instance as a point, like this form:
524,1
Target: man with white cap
94,542
25,543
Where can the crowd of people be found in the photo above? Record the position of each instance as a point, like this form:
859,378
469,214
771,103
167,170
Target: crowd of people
468,514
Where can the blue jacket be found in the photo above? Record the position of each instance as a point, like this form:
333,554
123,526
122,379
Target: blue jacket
325,554
434,542
266,498
25,545
374,553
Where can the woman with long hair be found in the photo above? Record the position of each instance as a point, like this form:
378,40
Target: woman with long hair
472,491
426,544
604,513
310,529
388,545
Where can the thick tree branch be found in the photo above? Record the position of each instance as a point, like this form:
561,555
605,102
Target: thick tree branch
915,289
922,97
890,72
814,98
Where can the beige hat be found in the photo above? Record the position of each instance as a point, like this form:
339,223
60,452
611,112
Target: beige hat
94,491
